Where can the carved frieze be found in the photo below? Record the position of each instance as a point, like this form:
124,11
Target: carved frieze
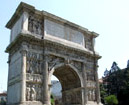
65,52
35,25
33,55
33,78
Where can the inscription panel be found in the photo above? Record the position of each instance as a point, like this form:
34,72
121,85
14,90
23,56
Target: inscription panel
64,32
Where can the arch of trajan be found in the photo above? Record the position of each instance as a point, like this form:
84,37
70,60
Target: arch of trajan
42,45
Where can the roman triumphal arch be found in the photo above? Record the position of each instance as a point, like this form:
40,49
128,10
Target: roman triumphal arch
42,45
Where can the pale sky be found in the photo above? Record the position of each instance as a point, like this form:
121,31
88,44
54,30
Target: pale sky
109,18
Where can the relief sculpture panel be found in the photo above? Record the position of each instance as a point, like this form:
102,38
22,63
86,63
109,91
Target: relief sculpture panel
33,76
34,63
72,97
33,92
35,25
90,76
91,95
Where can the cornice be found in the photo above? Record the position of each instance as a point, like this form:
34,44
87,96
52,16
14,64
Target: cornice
20,9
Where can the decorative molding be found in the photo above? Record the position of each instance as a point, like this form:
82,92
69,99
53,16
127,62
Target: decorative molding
14,80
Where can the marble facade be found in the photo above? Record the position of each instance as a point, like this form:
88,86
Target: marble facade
42,45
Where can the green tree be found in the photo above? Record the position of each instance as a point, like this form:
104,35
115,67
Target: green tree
111,100
52,100
103,93
117,82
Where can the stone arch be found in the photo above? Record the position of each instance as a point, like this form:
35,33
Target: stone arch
71,82
63,64
40,48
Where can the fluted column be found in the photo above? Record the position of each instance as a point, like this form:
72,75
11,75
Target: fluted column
23,74
84,82
45,82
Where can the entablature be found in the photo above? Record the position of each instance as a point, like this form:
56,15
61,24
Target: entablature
51,46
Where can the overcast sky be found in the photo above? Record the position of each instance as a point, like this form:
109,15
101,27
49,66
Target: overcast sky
109,18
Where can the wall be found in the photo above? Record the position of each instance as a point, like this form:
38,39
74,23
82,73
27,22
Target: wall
14,93
14,85
64,32
15,65
16,29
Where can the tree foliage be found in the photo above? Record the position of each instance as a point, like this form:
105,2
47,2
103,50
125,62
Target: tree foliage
111,100
52,100
117,83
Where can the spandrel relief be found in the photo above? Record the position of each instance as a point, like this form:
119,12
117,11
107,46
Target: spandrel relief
78,65
33,92
35,25
54,60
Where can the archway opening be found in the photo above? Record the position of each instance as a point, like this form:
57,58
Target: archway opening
71,85
56,89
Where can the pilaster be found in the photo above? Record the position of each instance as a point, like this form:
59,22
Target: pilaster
25,21
45,82
23,73
84,82
97,85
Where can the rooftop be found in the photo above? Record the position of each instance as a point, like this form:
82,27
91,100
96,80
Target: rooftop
3,94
